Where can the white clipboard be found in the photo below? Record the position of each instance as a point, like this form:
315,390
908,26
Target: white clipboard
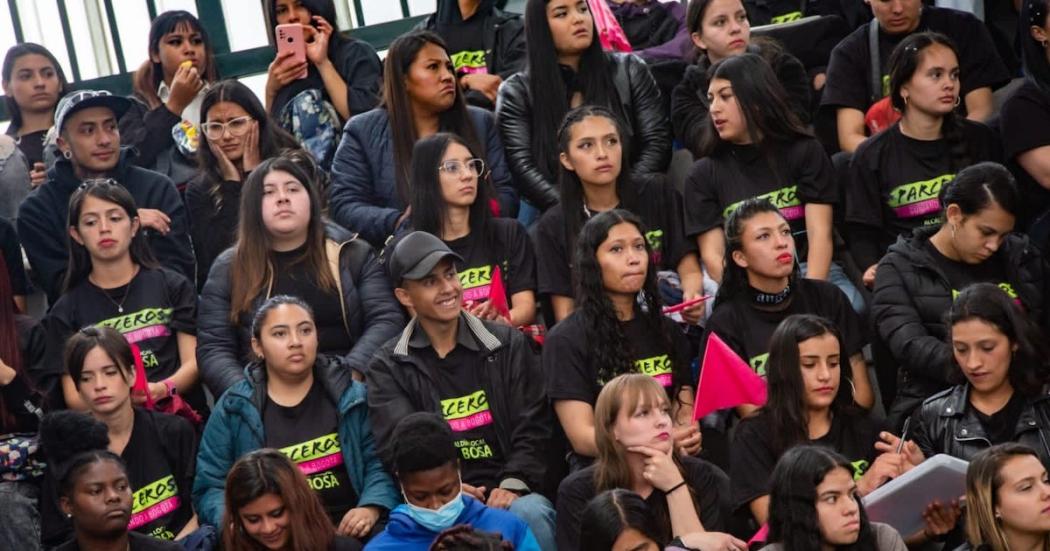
901,501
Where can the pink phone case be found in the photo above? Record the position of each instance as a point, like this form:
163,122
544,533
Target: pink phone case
290,37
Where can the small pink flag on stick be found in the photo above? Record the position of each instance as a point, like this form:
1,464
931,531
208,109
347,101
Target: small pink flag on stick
725,380
497,293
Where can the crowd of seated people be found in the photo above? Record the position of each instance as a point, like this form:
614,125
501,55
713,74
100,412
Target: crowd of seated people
461,297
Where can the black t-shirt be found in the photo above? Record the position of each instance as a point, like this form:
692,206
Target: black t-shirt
660,208
961,275
296,277
569,366
12,252
801,174
465,44
157,305
508,248
849,71
465,405
1025,124
766,12
895,180
707,482
308,433
136,542
160,457
747,329
752,457
1001,426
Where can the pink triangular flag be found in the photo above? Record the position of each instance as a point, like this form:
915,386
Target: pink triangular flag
497,294
725,380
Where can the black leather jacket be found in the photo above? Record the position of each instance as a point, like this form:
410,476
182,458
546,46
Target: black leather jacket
947,423
646,122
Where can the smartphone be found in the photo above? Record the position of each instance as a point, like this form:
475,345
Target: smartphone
290,37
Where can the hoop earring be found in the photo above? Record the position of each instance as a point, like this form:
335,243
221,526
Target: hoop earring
958,100
67,154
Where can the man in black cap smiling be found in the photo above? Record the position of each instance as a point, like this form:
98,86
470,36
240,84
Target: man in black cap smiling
89,144
483,378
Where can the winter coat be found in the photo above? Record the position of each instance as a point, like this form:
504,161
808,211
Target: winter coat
235,428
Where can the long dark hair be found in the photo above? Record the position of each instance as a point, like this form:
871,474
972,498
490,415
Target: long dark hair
547,86
610,514
323,8
570,186
13,54
150,74
979,186
429,208
793,520
455,119
10,346
988,303
612,351
903,63
763,103
272,138
785,409
252,266
734,278
105,189
1033,54
268,471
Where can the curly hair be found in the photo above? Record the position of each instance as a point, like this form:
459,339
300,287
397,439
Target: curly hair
793,520
72,442
612,353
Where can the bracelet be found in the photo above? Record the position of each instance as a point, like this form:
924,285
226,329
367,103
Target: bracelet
675,487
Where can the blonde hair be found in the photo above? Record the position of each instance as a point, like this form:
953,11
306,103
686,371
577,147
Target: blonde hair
983,480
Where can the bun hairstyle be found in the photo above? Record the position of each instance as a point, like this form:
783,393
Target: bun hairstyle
72,441
977,187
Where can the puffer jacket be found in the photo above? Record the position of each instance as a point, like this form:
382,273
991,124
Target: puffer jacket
912,296
639,99
400,382
371,314
363,192
689,104
947,423
235,428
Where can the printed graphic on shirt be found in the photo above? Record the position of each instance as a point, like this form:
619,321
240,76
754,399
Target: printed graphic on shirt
657,367
142,325
467,413
758,363
859,468
317,459
476,283
786,18
885,85
470,62
918,198
655,238
786,199
154,501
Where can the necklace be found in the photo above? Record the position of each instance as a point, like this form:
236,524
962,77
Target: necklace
127,292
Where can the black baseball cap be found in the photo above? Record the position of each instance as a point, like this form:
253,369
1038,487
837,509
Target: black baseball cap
415,255
82,99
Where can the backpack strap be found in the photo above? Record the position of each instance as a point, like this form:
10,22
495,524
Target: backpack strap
876,69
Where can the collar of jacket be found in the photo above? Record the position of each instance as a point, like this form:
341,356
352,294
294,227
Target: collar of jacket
62,172
482,335
334,377
1014,247
957,405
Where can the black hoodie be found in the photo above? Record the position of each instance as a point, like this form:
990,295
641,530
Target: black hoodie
43,216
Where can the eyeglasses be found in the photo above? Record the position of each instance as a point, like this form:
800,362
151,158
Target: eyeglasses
237,127
456,167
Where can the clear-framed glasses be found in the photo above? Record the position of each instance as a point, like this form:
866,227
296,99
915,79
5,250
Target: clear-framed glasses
456,167
237,127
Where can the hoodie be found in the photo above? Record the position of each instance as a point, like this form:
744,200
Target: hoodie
43,216
405,534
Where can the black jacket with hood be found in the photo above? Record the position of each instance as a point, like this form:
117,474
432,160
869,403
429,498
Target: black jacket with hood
912,295
43,217
400,382
371,315
646,123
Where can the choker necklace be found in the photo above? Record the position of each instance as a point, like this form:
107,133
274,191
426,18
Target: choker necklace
770,299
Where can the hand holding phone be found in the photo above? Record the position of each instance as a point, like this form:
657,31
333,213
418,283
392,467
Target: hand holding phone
290,39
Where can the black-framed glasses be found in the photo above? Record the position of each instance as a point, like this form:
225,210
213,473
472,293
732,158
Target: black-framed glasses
237,127
456,167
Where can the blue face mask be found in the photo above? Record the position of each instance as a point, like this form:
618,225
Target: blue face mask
436,520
